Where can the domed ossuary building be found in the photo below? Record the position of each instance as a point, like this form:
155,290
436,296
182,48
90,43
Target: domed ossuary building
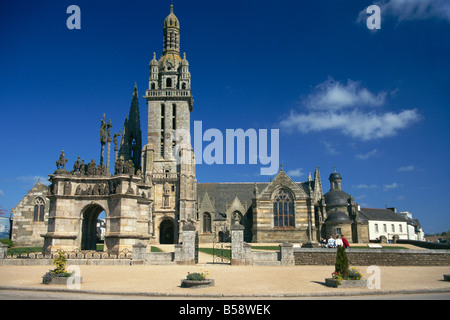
150,194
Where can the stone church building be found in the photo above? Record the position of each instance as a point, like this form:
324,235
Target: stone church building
150,194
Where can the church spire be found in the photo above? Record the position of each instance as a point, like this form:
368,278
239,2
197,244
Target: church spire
171,34
131,144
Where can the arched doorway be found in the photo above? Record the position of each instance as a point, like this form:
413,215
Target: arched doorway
89,232
166,232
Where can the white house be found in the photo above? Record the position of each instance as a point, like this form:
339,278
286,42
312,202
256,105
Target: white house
385,223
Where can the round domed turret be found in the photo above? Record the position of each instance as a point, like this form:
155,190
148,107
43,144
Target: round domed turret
336,198
337,217
154,62
171,20
184,62
334,176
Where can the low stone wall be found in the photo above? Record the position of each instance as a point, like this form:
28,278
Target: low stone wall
380,257
70,262
160,258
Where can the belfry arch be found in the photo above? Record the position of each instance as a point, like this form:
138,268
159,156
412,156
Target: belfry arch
89,217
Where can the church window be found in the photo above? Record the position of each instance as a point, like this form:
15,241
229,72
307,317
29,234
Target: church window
169,82
174,117
283,209
206,222
153,86
39,207
183,86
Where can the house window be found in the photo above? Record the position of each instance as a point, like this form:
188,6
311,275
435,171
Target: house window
376,228
39,206
283,209
206,222
384,228
393,228
401,227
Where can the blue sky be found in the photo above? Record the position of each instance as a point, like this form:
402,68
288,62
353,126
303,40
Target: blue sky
373,103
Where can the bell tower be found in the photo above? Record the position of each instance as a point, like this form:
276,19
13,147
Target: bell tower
168,158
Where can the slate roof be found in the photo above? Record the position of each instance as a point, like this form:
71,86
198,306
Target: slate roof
223,194
381,214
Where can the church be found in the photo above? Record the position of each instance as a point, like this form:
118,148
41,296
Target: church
150,195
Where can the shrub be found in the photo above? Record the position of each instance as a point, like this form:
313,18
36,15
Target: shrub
198,276
8,242
60,270
60,263
341,266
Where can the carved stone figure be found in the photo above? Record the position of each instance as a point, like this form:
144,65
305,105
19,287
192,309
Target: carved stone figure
61,163
91,168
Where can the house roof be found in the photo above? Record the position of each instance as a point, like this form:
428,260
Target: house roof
381,214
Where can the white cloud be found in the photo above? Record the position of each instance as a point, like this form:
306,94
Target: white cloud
1,193
366,186
296,172
407,168
394,185
333,95
31,180
343,108
409,10
356,124
330,148
367,155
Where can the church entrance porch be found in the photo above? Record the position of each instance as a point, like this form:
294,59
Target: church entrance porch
167,232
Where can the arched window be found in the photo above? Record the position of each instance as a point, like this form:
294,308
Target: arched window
206,222
169,83
39,206
283,209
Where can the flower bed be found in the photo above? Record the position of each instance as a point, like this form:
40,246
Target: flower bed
343,276
59,275
197,280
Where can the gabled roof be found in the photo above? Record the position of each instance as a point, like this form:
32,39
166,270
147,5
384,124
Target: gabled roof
223,194
381,214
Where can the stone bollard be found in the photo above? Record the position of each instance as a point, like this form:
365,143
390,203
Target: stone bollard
3,250
139,253
287,254
240,251
185,253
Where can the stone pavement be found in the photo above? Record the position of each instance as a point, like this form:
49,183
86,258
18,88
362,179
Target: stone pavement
230,281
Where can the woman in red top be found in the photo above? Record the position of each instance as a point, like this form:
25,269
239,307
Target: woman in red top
345,242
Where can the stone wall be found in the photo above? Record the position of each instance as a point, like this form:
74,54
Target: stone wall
380,257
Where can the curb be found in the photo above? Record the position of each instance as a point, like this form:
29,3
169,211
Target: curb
225,296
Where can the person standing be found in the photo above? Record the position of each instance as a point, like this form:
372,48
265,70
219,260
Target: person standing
345,242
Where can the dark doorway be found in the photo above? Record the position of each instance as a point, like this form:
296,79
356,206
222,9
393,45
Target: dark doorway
89,232
166,232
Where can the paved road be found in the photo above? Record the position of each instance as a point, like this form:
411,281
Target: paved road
43,295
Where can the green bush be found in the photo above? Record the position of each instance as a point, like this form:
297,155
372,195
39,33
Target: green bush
341,266
8,242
